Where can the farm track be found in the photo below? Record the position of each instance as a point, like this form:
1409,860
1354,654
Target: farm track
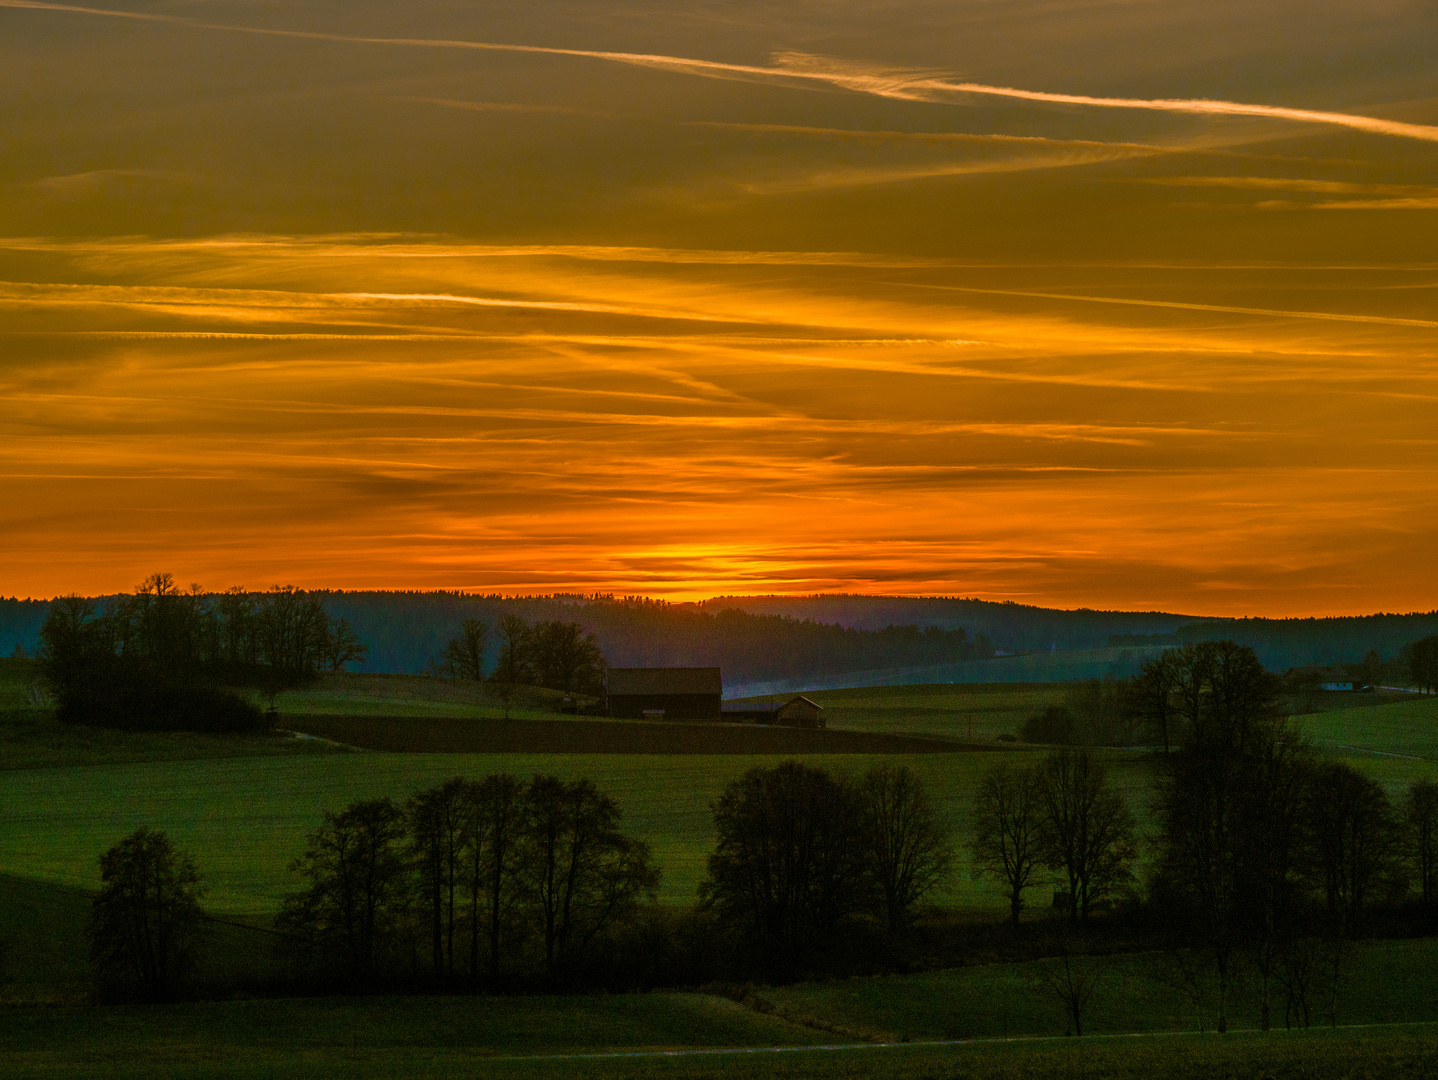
444,735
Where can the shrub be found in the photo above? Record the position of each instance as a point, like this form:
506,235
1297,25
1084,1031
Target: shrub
1055,725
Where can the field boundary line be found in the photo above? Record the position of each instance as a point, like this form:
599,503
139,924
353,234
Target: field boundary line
984,1040
1381,753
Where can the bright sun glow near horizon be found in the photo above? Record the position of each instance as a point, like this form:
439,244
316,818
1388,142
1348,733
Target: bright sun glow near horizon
1118,305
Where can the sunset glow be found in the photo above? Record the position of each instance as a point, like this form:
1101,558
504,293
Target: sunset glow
712,302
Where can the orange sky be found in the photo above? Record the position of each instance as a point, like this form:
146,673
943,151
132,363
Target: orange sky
1100,304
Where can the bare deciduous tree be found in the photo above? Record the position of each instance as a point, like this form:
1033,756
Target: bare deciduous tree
1007,842
1421,812
354,871
464,655
908,846
581,872
1088,832
439,828
144,922
788,864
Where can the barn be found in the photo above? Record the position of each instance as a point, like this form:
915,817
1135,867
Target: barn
664,693
800,712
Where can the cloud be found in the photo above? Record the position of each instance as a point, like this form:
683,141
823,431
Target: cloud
98,181
799,69
1288,183
1322,316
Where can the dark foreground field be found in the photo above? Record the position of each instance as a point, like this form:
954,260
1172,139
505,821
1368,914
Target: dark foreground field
690,1036
447,735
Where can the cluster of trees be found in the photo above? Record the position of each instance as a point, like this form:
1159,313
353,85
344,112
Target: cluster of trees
800,851
1263,848
1061,815
551,653
1421,660
498,882
163,658
1162,703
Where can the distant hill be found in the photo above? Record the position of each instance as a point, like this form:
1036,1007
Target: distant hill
821,641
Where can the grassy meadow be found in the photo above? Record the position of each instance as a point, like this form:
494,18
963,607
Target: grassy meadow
245,818
243,807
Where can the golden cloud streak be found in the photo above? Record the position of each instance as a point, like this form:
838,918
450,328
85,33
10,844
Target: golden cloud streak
798,68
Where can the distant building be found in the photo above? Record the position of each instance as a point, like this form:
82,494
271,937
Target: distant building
1337,685
664,693
800,712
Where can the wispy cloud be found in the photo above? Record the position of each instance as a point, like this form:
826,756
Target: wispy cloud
72,185
1321,316
1294,183
797,68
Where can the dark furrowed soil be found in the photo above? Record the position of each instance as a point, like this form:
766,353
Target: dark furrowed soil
445,735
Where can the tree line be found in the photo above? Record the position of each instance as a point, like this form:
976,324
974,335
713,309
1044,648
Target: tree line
407,630
166,658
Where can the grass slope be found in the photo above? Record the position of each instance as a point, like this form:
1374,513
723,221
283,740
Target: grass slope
656,1035
395,1036
1386,981
245,819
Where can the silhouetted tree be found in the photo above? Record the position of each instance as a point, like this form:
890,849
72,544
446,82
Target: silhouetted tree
1054,726
1354,839
144,922
1151,695
1071,984
343,646
580,872
1087,831
1421,814
788,864
1008,837
565,656
907,847
439,827
512,667
1229,810
1421,658
494,860
463,656
354,872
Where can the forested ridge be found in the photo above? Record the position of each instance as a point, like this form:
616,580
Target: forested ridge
761,638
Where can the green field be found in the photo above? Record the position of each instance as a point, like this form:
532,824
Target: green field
245,818
243,808
1406,728
1387,981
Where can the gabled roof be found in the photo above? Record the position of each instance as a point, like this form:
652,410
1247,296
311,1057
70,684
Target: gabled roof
637,681
806,701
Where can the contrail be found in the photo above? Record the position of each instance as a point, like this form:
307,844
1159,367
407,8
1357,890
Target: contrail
1323,316
797,68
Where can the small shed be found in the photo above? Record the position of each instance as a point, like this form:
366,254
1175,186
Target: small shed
800,712
664,693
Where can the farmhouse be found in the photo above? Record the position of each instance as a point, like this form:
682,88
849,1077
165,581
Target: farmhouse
664,693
